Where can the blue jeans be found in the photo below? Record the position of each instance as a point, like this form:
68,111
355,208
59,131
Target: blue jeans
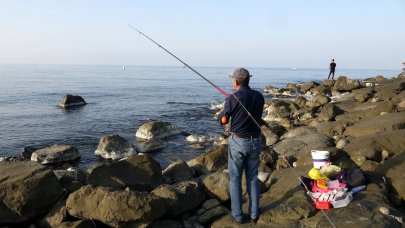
243,154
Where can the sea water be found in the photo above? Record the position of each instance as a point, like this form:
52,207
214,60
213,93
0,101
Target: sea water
119,100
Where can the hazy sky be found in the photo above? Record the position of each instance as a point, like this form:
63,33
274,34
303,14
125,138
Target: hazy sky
363,34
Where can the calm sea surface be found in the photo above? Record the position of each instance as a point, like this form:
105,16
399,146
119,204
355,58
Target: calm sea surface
119,100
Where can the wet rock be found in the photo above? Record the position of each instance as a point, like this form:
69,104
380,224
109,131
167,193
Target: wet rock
199,138
11,158
215,159
22,188
156,130
139,172
106,205
212,214
345,84
55,154
216,186
177,171
147,146
57,215
388,122
181,197
71,179
114,147
27,152
317,101
71,100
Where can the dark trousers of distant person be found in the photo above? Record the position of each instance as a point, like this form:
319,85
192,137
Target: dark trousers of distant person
332,72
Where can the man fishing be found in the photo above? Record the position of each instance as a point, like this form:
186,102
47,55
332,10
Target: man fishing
244,143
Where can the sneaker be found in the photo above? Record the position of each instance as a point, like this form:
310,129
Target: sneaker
243,221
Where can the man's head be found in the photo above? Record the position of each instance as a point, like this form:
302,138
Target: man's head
240,77
333,60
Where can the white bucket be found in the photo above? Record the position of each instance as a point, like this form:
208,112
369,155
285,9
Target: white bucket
320,158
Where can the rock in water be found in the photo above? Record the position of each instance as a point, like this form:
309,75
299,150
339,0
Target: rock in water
156,130
27,190
114,207
139,172
146,146
71,100
114,147
55,154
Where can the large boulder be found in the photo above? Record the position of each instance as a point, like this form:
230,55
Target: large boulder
321,90
371,147
329,111
147,146
27,190
388,122
153,129
360,95
177,171
307,86
55,154
216,186
356,111
114,147
301,140
334,128
114,207
390,89
301,101
181,197
139,172
394,169
212,214
344,84
215,159
71,100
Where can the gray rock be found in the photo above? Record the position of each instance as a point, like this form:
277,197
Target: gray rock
321,90
78,224
147,146
181,197
27,152
156,130
177,171
356,111
114,147
216,186
55,154
139,172
307,86
22,188
71,100
394,169
212,214
209,204
106,205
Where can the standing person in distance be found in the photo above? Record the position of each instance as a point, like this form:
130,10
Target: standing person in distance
245,143
332,67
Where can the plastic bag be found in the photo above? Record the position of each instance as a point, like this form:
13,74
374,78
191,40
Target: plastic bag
316,175
330,171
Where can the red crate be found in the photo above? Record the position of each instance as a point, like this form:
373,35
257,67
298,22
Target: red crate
325,205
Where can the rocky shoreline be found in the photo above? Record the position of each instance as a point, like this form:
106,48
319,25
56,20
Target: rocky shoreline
361,124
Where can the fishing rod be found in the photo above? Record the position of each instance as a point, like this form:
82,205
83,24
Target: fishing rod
185,64
226,95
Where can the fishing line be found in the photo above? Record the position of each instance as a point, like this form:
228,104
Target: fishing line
226,95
